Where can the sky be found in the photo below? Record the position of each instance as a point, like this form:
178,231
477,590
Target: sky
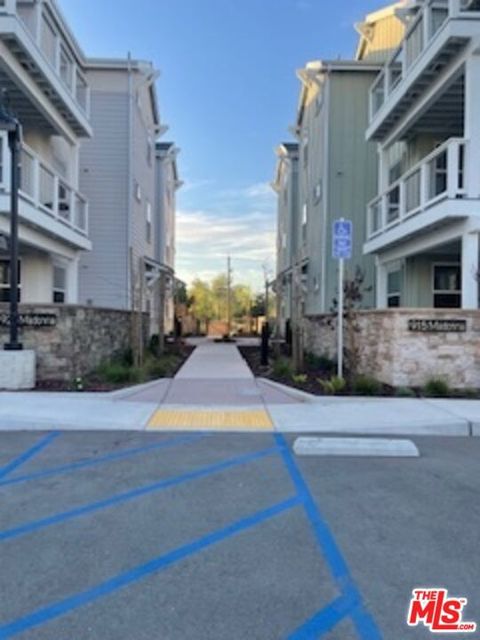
228,92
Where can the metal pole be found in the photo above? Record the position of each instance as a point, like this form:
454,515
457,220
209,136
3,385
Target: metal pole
14,138
229,296
340,319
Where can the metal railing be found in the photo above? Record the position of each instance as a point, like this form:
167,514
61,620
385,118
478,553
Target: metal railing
46,190
438,176
422,29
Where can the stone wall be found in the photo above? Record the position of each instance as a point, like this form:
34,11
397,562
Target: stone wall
78,341
392,353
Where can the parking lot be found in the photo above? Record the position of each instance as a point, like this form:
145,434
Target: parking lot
196,535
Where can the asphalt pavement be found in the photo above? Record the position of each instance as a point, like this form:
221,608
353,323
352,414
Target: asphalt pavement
205,536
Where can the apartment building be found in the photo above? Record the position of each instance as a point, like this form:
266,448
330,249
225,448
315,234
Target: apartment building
168,183
285,186
126,176
336,170
43,84
424,222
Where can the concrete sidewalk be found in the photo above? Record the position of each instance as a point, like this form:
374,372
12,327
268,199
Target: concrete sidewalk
216,379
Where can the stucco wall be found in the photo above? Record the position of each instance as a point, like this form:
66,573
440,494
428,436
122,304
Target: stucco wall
391,353
82,338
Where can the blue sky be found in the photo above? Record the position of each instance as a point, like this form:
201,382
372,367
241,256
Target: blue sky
228,91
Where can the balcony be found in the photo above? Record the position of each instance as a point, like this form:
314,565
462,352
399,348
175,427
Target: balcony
47,200
429,193
435,37
40,47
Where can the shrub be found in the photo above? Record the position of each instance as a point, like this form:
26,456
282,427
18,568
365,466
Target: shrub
333,386
366,386
436,387
156,368
321,363
300,378
116,373
405,392
282,368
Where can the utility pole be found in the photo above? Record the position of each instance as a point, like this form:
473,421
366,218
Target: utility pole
229,295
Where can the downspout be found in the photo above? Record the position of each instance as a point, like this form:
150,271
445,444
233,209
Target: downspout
326,167
129,262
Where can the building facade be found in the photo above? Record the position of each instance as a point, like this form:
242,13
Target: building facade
43,83
336,171
285,185
125,176
424,222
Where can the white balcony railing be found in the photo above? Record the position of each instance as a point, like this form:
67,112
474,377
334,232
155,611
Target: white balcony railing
53,46
45,189
439,176
421,31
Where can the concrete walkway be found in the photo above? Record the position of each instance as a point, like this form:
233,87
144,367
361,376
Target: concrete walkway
215,389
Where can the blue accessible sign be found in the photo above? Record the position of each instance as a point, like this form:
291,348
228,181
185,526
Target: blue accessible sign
342,239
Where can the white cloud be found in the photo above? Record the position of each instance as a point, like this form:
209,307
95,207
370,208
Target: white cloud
205,239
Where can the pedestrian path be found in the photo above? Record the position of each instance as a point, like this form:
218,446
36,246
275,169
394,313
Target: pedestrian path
215,389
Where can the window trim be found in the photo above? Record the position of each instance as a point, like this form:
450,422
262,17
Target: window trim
148,222
6,286
446,292
55,289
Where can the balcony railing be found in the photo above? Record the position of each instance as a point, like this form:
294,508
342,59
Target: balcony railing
45,189
41,27
438,176
421,31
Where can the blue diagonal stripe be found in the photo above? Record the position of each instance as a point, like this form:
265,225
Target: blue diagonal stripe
120,498
111,457
60,608
325,620
28,454
364,623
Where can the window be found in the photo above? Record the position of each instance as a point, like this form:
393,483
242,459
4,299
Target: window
305,149
138,192
148,218
59,284
447,286
317,192
5,281
149,151
2,149
48,40
304,223
394,287
319,103
66,67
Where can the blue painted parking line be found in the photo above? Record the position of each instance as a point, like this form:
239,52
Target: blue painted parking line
120,498
325,620
111,457
28,454
62,607
364,623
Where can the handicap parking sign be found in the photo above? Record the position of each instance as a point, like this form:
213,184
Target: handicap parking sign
342,239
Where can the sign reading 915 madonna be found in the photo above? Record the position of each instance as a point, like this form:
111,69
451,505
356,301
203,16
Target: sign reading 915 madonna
432,325
30,320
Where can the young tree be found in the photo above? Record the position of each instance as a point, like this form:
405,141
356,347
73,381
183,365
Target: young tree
203,302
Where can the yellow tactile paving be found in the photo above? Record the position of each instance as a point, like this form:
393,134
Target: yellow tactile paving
255,420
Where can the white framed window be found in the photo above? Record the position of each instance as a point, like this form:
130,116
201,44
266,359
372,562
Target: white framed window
59,284
305,148
2,151
317,191
149,150
138,192
5,280
148,222
447,285
394,288
66,67
304,223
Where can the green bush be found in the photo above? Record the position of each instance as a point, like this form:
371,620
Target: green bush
405,392
156,368
282,368
119,373
300,378
333,386
366,386
321,363
436,387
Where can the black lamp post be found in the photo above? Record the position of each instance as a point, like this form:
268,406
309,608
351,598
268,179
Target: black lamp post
12,126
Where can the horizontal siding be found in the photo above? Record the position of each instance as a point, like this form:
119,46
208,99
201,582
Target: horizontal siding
104,180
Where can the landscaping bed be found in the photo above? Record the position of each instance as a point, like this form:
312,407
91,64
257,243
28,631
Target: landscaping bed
319,378
120,372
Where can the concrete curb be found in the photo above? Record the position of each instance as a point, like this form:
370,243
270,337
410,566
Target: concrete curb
121,394
356,447
303,396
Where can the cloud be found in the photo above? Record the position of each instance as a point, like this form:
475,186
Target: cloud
205,239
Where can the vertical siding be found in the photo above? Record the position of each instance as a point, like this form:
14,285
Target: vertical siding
387,35
352,171
104,180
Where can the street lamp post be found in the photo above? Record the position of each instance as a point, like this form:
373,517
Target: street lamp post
11,125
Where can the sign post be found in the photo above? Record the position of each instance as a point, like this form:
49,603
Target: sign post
342,250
